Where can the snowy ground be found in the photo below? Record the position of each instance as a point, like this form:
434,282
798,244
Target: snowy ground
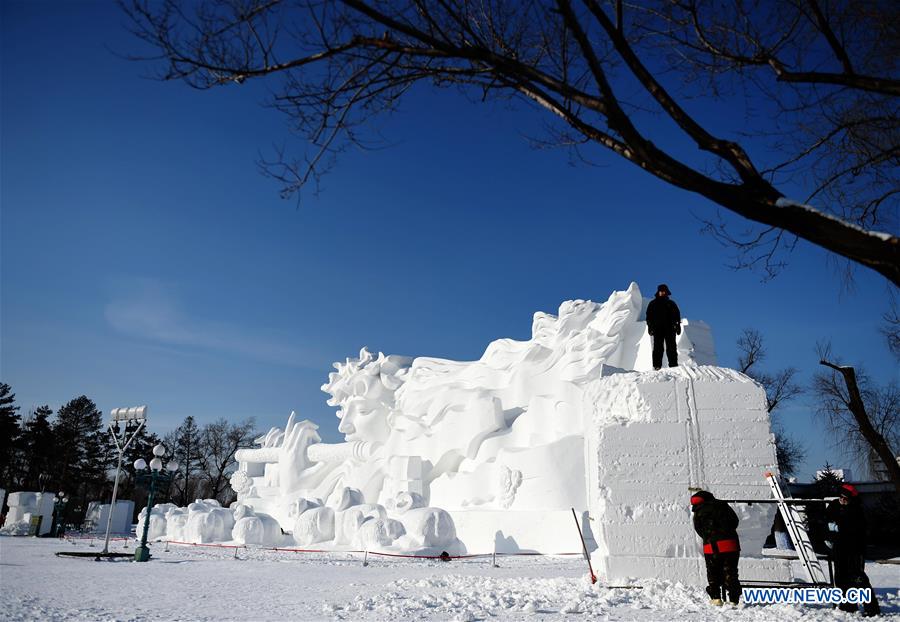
189,583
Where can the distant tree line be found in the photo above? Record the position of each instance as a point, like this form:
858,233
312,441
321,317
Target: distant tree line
71,451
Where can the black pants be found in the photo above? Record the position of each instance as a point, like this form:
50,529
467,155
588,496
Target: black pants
849,571
722,576
667,339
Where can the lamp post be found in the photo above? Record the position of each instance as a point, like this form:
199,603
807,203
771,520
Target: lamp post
59,504
142,553
136,415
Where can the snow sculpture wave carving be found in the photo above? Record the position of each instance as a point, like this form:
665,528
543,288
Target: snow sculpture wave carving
492,454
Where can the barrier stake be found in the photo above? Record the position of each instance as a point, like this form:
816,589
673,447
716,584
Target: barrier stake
494,558
366,558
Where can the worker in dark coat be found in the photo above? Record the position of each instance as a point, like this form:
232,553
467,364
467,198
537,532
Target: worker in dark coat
663,323
716,523
847,534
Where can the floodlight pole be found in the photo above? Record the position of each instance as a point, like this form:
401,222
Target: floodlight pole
116,412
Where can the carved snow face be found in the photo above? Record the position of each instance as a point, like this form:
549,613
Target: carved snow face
364,419
364,389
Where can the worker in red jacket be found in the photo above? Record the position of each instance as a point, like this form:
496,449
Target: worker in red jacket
716,523
847,535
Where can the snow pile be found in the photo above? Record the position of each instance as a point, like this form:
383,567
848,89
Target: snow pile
471,598
16,528
482,597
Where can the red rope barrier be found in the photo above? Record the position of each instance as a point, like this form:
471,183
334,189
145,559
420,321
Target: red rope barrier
210,545
382,554
309,550
428,556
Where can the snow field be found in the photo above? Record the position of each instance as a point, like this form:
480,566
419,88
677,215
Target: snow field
192,583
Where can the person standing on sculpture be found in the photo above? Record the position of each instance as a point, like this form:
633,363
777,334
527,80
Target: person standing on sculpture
716,523
663,323
847,533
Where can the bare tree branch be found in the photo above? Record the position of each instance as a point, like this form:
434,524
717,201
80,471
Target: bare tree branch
843,403
344,62
780,388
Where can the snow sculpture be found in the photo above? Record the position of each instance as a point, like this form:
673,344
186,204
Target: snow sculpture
97,516
158,524
207,521
493,454
255,528
25,506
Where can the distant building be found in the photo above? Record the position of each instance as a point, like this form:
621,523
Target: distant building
877,467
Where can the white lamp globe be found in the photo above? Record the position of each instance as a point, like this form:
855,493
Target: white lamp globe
159,450
156,464
140,464
172,466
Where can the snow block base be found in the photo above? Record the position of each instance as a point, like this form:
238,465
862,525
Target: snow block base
653,438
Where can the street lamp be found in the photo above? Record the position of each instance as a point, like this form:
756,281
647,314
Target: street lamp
134,416
57,527
142,553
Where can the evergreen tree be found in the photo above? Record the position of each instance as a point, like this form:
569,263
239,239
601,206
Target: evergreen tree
828,483
9,434
38,447
84,453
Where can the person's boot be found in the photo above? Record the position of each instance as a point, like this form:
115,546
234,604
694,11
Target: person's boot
716,601
871,609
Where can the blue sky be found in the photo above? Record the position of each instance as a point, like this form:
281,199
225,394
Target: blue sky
145,260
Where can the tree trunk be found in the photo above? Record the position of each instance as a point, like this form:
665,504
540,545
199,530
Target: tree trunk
872,436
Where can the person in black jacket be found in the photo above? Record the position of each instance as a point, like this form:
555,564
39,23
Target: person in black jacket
663,323
716,523
847,533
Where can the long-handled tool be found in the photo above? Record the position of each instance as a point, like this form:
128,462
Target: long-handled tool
584,547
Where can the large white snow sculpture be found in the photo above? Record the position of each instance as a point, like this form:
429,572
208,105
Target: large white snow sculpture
493,454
